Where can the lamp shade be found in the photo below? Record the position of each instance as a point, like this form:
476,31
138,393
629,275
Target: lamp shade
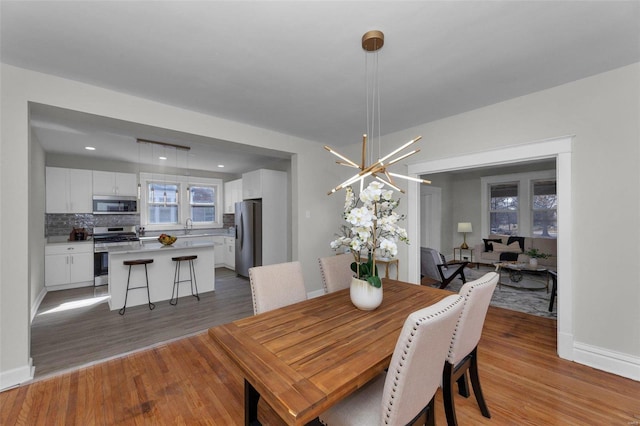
464,227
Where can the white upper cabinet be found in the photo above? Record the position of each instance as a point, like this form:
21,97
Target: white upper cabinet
271,187
232,195
114,183
68,190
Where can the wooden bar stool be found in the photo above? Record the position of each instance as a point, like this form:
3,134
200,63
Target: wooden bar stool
131,263
177,281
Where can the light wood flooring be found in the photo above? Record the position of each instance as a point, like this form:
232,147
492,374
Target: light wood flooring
74,328
192,381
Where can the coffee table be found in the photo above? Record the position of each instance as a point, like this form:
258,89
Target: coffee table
516,269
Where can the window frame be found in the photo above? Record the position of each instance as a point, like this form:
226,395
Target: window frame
184,205
525,198
148,203
516,211
534,210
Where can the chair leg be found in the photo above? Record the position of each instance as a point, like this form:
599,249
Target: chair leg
431,412
475,382
463,385
176,280
124,307
151,305
554,289
447,394
194,283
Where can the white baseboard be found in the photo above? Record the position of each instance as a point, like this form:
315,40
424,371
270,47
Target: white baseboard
37,302
13,378
606,360
315,293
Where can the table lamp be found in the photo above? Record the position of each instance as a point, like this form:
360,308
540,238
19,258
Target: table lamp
464,227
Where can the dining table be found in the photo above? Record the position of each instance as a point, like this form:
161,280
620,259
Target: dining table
303,358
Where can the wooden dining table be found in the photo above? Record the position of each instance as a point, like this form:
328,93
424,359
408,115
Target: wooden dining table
303,358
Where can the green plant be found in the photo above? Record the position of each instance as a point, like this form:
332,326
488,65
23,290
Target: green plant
537,254
367,271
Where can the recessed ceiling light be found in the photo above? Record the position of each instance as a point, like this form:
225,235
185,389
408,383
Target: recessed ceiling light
90,148
221,165
162,158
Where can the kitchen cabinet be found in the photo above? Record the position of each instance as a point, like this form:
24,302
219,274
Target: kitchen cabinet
68,266
114,183
68,190
230,252
218,251
252,184
270,186
232,195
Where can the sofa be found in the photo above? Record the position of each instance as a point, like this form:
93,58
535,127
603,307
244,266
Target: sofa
509,247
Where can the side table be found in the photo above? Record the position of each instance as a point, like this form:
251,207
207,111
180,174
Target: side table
386,262
462,255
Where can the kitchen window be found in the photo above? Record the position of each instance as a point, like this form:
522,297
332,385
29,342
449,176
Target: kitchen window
170,200
202,204
163,205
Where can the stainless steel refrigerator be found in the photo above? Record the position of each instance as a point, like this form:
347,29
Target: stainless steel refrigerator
248,219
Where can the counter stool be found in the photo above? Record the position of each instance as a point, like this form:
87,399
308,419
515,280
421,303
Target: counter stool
131,263
177,281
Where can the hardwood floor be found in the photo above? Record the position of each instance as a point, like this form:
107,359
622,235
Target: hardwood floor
191,381
75,327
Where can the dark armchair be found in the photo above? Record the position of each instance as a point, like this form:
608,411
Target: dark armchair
434,266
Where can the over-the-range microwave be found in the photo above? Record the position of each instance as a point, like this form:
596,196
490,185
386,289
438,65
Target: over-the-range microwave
114,204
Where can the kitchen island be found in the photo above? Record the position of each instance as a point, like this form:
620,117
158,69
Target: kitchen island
161,271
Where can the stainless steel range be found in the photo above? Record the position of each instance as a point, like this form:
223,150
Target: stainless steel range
103,238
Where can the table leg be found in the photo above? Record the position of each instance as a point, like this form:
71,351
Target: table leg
251,398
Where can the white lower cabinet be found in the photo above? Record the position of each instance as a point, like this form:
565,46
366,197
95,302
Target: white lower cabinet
218,251
230,252
68,266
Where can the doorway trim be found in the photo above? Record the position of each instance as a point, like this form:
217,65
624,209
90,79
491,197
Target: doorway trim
559,148
435,194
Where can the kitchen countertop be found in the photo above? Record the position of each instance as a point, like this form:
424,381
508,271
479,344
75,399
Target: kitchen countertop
65,239
151,247
218,232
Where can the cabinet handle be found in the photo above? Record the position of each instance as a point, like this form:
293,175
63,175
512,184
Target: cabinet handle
67,259
71,259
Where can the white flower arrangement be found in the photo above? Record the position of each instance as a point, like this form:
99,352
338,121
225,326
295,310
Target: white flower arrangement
372,228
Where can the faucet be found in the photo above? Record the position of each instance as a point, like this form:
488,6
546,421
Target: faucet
188,225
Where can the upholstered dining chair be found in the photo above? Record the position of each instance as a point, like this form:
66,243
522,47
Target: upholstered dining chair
406,391
434,266
463,351
336,272
275,286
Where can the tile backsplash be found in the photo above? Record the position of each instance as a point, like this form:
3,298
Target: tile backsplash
62,224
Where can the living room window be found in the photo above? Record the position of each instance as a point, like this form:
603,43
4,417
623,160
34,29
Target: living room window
503,208
522,204
544,205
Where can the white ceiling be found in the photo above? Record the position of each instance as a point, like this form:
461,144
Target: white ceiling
298,67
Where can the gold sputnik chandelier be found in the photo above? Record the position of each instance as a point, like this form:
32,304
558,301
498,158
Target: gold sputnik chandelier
372,41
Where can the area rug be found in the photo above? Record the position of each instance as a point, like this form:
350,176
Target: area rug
530,297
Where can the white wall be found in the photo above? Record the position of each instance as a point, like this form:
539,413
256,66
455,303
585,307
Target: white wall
603,112
310,232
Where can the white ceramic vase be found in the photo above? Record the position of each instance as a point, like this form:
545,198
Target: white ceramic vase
533,262
364,296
